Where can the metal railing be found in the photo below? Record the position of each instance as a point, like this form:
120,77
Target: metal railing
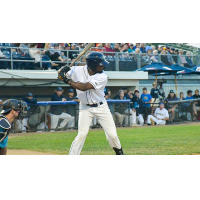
118,61
55,116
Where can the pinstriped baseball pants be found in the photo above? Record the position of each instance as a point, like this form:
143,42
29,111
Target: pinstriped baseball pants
105,119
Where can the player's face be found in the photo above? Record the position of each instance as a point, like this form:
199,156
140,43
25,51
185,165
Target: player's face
137,94
100,68
59,93
162,106
70,94
121,94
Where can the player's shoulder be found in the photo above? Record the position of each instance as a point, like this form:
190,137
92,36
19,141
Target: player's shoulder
4,123
102,75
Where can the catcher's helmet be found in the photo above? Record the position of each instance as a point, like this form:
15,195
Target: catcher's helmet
17,105
94,59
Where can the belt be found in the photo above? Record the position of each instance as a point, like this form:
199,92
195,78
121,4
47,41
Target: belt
95,105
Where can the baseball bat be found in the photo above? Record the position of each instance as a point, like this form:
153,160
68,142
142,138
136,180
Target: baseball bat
82,53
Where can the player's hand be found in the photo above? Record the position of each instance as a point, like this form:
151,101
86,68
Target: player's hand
63,99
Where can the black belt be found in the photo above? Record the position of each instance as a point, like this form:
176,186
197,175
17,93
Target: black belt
94,105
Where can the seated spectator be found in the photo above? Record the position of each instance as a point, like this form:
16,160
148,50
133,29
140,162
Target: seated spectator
57,56
164,58
189,59
125,48
120,109
161,115
181,95
131,48
3,64
136,109
197,96
137,50
108,48
160,49
126,96
143,48
188,105
146,99
183,61
116,47
154,58
57,110
172,107
33,119
71,109
136,46
146,59
73,54
174,55
34,53
169,56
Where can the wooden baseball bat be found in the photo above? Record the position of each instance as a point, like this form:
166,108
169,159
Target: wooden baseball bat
82,53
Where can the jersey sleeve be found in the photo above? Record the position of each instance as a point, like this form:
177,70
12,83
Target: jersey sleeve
99,81
71,73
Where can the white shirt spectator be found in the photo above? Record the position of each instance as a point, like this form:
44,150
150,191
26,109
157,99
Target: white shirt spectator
161,114
34,54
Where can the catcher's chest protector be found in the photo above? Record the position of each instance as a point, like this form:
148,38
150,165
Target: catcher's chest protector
5,127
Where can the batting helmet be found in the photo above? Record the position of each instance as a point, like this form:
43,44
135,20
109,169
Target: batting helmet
94,59
18,105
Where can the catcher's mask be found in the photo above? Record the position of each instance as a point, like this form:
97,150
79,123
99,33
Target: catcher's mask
17,105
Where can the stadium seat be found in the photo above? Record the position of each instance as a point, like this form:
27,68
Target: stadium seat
26,65
16,56
7,54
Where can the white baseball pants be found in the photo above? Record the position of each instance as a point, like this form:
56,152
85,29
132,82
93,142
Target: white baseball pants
133,118
162,122
54,120
86,114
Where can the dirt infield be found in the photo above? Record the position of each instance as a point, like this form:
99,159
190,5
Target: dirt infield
25,152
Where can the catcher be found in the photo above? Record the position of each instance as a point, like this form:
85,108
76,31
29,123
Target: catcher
12,109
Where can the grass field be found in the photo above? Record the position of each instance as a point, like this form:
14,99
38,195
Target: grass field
163,140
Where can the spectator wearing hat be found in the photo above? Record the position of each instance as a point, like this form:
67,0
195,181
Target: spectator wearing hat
160,49
172,107
136,110
126,96
57,110
131,48
71,109
32,117
146,99
160,117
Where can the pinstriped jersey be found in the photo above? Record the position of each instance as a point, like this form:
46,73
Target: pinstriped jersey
98,80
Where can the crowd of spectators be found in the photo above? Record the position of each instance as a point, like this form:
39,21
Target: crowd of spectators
55,55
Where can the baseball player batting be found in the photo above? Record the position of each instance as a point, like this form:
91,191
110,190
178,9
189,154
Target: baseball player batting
89,82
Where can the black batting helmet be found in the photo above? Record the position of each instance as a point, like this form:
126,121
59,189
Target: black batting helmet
18,105
94,59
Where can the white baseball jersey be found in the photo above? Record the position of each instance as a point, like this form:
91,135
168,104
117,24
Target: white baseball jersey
98,80
161,114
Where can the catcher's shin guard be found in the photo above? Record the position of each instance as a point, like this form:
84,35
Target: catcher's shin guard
118,151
